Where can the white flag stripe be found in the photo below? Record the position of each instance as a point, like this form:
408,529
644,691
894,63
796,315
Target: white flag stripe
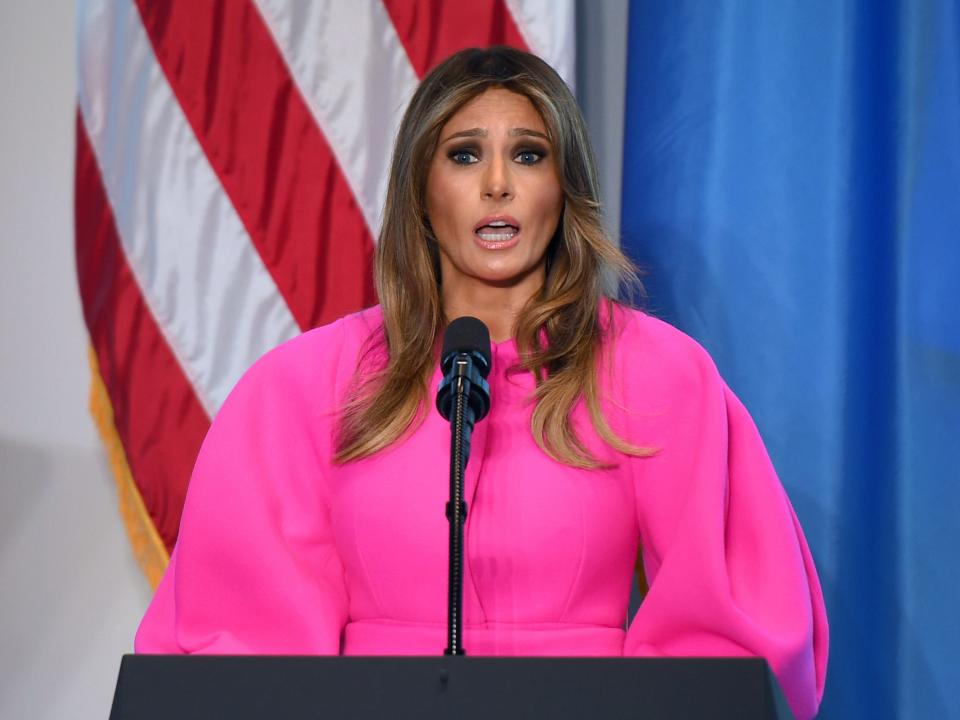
547,26
205,284
354,74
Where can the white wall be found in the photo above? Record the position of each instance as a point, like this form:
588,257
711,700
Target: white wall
71,592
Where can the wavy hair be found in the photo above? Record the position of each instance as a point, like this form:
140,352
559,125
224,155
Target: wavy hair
559,331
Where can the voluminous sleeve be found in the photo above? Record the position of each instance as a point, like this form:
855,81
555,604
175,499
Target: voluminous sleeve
255,570
729,569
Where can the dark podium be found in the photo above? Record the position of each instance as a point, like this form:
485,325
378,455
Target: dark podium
239,687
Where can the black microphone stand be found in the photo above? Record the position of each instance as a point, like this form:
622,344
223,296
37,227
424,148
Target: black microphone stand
463,399
461,426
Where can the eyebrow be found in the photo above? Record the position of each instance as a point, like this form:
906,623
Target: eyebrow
480,132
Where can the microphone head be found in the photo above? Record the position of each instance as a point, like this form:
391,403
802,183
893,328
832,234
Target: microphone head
467,334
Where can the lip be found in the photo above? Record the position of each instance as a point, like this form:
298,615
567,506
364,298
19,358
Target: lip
508,219
498,244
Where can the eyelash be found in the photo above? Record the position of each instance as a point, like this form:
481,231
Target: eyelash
454,154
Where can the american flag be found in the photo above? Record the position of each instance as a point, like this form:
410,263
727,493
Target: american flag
231,169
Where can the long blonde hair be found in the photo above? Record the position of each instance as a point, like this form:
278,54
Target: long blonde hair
559,331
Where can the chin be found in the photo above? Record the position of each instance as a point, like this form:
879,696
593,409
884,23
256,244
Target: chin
503,277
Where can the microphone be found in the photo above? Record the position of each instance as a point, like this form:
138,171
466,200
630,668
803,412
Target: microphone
463,398
465,359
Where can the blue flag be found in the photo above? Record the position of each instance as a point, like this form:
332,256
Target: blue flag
791,186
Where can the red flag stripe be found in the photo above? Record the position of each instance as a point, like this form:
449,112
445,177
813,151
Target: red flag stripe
273,161
430,31
156,413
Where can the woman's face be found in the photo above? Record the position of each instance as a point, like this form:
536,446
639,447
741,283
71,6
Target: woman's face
493,195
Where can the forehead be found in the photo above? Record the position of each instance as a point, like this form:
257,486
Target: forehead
497,108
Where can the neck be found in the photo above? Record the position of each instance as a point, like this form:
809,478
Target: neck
496,306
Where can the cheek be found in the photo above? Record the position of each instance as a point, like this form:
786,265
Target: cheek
434,201
443,202
549,205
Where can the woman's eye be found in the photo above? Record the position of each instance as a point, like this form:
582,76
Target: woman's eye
463,157
529,157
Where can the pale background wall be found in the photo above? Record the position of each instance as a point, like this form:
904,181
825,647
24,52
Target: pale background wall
70,592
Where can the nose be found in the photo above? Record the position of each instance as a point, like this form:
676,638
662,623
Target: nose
498,180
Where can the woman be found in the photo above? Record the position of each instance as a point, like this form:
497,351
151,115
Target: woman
314,521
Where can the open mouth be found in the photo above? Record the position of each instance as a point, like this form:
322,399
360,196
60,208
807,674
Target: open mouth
494,231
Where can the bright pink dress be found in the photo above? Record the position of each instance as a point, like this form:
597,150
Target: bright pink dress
283,551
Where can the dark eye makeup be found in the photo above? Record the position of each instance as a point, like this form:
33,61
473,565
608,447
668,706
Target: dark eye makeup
466,155
529,154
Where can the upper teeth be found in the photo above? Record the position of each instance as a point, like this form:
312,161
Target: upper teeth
497,233
497,223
